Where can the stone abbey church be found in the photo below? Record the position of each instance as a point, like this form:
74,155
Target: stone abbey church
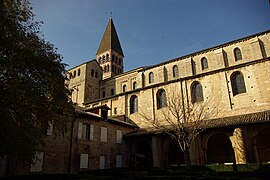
109,131
234,76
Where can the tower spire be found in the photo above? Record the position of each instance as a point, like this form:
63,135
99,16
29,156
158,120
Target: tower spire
110,54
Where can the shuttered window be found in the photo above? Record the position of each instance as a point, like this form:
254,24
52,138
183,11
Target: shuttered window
103,134
119,136
84,161
86,131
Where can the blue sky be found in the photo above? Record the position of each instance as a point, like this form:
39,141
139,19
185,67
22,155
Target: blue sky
150,31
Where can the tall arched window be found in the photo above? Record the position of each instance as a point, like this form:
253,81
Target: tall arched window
120,61
135,85
196,92
103,59
151,77
238,83
112,91
124,88
107,57
133,104
204,63
237,54
99,60
161,99
175,71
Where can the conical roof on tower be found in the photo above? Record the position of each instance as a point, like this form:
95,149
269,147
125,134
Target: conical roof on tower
110,40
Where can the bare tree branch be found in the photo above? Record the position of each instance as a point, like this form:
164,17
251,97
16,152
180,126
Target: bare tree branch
182,121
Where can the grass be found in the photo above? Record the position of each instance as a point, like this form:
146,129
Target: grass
247,171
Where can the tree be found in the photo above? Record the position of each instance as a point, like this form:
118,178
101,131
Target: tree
181,120
32,83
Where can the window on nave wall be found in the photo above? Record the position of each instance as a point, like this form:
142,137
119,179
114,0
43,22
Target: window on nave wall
196,92
238,83
151,77
161,99
133,104
237,54
204,63
175,71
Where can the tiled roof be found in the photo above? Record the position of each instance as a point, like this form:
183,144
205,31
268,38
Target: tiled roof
258,117
245,119
110,40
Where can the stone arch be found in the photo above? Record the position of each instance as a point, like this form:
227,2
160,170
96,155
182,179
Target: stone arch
142,156
219,149
262,147
175,155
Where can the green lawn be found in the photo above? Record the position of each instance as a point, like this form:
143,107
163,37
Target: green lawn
248,171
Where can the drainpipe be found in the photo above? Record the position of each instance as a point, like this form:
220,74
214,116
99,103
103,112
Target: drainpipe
183,103
70,147
153,101
228,89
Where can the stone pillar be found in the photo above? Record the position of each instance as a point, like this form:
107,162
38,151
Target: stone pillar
156,151
256,48
239,146
220,59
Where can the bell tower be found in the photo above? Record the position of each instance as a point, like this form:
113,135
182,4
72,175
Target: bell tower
109,54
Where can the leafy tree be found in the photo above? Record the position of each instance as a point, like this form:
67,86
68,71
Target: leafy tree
181,120
32,83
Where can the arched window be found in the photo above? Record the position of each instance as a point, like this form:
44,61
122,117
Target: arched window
120,61
196,92
161,99
135,85
112,91
175,71
107,57
237,54
103,59
113,58
124,88
151,77
99,60
74,74
204,63
133,104
79,72
96,74
238,83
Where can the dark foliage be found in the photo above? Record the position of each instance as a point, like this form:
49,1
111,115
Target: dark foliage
32,83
